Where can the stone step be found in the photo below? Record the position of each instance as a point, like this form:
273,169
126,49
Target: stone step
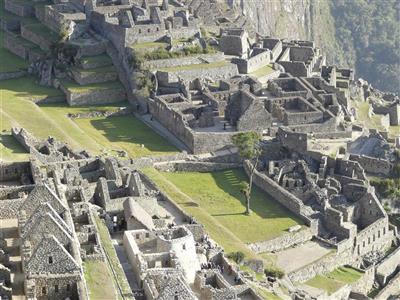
21,47
93,94
97,75
39,34
20,8
96,61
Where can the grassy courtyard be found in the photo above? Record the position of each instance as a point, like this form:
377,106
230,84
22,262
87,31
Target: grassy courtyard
114,134
214,199
336,279
97,276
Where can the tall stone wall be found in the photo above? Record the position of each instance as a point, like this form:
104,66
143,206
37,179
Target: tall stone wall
373,165
288,200
13,171
9,209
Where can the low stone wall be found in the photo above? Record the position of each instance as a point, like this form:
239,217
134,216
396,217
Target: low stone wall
391,289
365,283
50,100
12,44
190,166
35,38
11,75
88,77
219,72
94,97
9,208
19,8
183,61
323,266
283,242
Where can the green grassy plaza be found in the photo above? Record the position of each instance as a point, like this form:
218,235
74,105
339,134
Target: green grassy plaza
214,199
94,134
335,280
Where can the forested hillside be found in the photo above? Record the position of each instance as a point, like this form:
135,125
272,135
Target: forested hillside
369,33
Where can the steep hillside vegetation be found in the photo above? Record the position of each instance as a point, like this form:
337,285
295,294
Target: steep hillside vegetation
369,33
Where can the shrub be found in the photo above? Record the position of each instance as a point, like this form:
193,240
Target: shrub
274,273
237,257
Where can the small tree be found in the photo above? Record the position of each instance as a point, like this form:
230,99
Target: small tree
248,144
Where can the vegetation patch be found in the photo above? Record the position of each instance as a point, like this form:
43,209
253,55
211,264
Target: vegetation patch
335,280
263,71
118,273
114,133
97,276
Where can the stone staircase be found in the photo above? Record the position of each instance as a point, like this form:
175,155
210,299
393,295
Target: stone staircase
92,81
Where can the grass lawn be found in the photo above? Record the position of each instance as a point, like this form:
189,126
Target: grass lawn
119,133
262,71
113,261
215,201
336,279
97,276
125,133
9,61
195,66
44,31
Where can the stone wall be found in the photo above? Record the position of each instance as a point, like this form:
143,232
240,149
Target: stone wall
190,166
373,165
35,38
9,209
94,97
13,171
182,61
391,289
253,63
365,283
83,77
323,266
11,75
219,72
288,200
282,242
19,8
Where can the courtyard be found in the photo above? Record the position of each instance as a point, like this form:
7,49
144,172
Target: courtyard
214,199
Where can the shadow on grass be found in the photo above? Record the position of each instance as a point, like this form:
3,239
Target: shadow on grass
10,143
261,203
27,87
128,129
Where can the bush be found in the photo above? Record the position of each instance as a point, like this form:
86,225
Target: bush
237,257
274,273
